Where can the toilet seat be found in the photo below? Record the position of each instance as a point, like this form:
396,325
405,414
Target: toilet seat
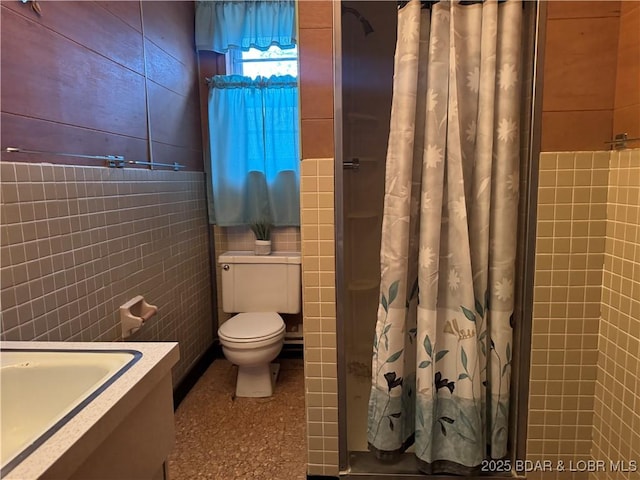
251,327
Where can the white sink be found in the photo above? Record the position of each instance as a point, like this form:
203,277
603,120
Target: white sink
86,410
40,391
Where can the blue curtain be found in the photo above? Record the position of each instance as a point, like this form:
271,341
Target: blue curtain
245,24
253,129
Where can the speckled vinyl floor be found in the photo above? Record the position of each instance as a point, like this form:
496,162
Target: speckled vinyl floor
218,437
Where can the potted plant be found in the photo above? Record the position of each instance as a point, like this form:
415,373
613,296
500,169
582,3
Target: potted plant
262,230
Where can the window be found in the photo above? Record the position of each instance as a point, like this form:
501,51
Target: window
254,144
254,62
253,111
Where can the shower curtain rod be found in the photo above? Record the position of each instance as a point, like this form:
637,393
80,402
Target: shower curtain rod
430,3
259,81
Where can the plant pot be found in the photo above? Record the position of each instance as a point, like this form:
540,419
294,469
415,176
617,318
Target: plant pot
262,247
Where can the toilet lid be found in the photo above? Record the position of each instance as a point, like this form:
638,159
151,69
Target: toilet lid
252,326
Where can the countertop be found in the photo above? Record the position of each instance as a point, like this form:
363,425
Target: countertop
95,421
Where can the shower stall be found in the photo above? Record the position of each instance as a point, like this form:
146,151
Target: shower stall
365,40
367,62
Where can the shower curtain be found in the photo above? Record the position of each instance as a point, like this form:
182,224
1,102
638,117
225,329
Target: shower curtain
442,349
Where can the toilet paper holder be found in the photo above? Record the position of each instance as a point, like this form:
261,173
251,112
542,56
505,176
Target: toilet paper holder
134,314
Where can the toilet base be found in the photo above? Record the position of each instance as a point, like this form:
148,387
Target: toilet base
256,380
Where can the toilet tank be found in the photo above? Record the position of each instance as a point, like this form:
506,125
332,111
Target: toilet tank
261,283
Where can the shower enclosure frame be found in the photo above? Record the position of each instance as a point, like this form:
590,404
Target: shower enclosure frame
535,31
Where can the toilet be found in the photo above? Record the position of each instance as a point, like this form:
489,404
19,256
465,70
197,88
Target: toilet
257,288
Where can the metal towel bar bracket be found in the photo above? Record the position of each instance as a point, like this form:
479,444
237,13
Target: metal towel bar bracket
112,161
121,163
620,141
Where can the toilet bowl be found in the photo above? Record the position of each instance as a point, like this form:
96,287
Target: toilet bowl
251,341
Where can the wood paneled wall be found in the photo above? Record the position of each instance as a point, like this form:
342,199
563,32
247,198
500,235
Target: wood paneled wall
626,113
75,80
316,78
211,63
591,74
579,74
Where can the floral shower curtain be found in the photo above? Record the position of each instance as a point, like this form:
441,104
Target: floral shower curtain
443,344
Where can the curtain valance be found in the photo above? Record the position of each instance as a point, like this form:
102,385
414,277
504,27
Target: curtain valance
245,24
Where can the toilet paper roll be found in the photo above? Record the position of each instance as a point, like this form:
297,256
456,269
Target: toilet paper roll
148,314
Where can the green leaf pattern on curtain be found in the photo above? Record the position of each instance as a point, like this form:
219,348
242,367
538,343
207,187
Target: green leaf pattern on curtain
450,216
